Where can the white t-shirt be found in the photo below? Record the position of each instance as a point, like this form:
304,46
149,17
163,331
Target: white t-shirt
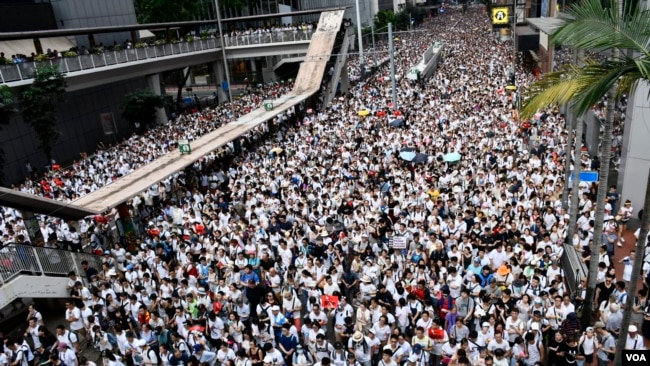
75,313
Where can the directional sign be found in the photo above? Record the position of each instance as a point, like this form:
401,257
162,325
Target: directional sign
588,177
500,15
184,146
268,105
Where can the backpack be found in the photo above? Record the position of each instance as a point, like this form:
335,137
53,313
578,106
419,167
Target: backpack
104,324
155,353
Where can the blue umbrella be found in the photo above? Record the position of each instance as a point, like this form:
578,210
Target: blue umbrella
420,158
407,155
396,123
451,157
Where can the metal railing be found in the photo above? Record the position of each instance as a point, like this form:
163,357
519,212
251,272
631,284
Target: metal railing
25,70
341,59
574,268
17,259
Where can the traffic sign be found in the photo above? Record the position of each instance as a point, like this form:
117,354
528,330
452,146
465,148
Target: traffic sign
500,16
588,177
184,146
268,105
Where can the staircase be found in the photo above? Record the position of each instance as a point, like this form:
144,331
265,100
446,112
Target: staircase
38,272
341,59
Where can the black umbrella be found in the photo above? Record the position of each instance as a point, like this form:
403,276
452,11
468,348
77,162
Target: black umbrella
420,158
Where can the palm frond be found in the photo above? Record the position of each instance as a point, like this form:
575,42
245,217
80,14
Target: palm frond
589,26
556,88
596,79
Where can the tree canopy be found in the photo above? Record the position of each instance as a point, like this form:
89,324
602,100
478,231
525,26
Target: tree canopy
140,106
164,11
39,104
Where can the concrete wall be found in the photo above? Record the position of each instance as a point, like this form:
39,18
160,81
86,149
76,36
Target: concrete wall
95,13
79,123
635,160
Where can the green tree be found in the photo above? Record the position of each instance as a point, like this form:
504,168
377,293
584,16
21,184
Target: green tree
164,11
139,107
382,18
592,25
39,102
7,109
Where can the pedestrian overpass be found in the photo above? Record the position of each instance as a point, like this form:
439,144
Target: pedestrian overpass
86,71
27,271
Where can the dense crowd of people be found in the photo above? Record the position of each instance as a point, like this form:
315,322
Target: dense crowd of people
319,240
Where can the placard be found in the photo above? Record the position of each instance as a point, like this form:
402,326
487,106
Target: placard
399,242
108,123
329,302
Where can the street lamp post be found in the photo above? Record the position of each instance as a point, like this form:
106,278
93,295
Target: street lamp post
362,63
223,50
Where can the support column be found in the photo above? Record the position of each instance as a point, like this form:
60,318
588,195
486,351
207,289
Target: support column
254,77
635,159
220,78
153,81
344,79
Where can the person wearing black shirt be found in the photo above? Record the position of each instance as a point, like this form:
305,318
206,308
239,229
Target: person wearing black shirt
568,352
178,358
554,345
604,289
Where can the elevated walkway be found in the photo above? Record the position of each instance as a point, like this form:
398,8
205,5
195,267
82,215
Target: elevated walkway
87,71
341,59
37,272
307,83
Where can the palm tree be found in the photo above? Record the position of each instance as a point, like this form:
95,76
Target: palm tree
599,26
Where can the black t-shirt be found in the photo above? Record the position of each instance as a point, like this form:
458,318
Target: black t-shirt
604,292
570,353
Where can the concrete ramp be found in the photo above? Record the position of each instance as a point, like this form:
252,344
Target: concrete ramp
312,69
307,83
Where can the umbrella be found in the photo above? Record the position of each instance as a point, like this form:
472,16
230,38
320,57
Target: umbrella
451,157
381,114
420,158
407,155
277,150
364,112
396,123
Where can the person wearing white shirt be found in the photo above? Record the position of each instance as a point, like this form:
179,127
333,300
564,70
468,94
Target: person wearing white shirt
222,355
634,340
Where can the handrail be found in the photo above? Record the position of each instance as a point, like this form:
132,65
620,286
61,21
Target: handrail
17,259
574,268
341,59
25,70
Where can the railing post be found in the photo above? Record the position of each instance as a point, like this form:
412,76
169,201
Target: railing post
126,54
115,56
2,78
92,60
146,54
79,60
104,58
20,74
76,265
38,261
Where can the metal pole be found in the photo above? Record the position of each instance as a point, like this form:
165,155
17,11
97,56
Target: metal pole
391,51
362,63
514,37
223,52
374,50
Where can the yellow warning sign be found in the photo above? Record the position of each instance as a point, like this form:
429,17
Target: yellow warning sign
500,16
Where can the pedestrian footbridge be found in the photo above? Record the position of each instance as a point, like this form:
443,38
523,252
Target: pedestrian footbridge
91,70
27,271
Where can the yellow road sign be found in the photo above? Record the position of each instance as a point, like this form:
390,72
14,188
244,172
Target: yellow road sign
500,15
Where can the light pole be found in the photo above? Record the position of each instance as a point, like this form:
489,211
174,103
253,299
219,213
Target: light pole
362,63
391,52
223,50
